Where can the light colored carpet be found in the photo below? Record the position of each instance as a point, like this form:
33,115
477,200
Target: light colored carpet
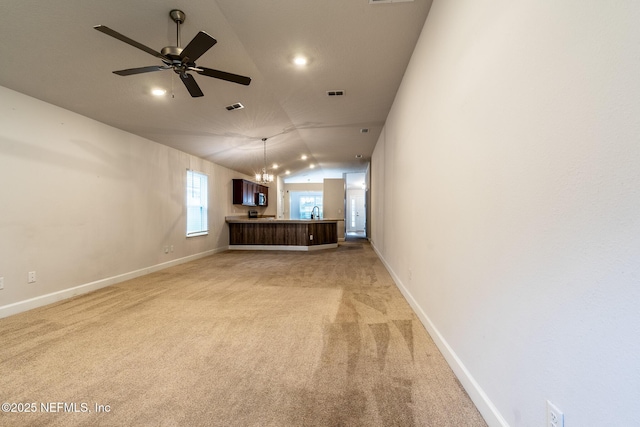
236,339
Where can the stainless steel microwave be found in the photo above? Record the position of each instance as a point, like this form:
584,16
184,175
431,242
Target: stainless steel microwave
261,199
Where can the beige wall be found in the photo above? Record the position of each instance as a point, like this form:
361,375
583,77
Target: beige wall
505,203
333,198
85,205
333,202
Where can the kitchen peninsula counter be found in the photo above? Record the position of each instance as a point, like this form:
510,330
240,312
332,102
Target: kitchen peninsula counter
269,233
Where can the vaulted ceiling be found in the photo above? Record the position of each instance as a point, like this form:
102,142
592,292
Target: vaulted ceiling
51,51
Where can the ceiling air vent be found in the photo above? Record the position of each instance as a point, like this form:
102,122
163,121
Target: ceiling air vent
388,1
236,106
335,92
364,130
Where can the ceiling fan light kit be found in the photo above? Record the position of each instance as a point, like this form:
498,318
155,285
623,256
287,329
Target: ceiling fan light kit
180,60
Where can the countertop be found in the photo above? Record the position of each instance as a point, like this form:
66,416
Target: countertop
270,219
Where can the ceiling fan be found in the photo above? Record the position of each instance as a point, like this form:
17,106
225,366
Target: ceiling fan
178,59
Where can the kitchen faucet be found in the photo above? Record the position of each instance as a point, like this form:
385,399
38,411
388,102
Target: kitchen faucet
313,210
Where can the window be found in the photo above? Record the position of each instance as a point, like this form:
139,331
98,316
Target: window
197,204
301,204
353,213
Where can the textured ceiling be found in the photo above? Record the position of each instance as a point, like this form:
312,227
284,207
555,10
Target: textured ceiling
50,51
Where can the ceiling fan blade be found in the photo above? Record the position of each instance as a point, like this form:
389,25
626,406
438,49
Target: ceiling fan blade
108,31
223,75
191,85
201,43
131,71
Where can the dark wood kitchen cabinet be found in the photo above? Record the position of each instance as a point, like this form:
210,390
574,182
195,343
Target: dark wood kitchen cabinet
245,193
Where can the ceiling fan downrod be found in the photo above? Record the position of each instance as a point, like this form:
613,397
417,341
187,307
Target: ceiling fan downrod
178,17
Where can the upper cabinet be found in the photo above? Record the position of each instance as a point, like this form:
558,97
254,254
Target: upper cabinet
249,193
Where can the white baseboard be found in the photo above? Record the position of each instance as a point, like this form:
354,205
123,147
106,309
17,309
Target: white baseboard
487,409
42,300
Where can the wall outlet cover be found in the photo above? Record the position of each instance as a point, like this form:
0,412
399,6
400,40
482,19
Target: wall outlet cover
555,417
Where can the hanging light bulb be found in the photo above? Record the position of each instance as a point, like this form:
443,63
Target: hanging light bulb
264,177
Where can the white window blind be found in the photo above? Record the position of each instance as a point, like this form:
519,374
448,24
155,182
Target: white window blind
197,203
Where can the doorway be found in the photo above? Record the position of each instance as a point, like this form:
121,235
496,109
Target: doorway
356,213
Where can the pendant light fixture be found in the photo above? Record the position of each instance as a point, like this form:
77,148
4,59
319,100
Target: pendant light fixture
264,177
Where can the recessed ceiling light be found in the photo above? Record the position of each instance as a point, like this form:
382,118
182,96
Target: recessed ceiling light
312,166
358,156
287,172
304,157
300,61
158,92
275,166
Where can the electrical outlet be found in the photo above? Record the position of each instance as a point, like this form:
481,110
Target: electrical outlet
555,417
32,277
1,283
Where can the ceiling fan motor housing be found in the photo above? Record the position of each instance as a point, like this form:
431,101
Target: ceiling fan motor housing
172,52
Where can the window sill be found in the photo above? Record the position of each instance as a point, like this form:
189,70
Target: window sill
203,233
